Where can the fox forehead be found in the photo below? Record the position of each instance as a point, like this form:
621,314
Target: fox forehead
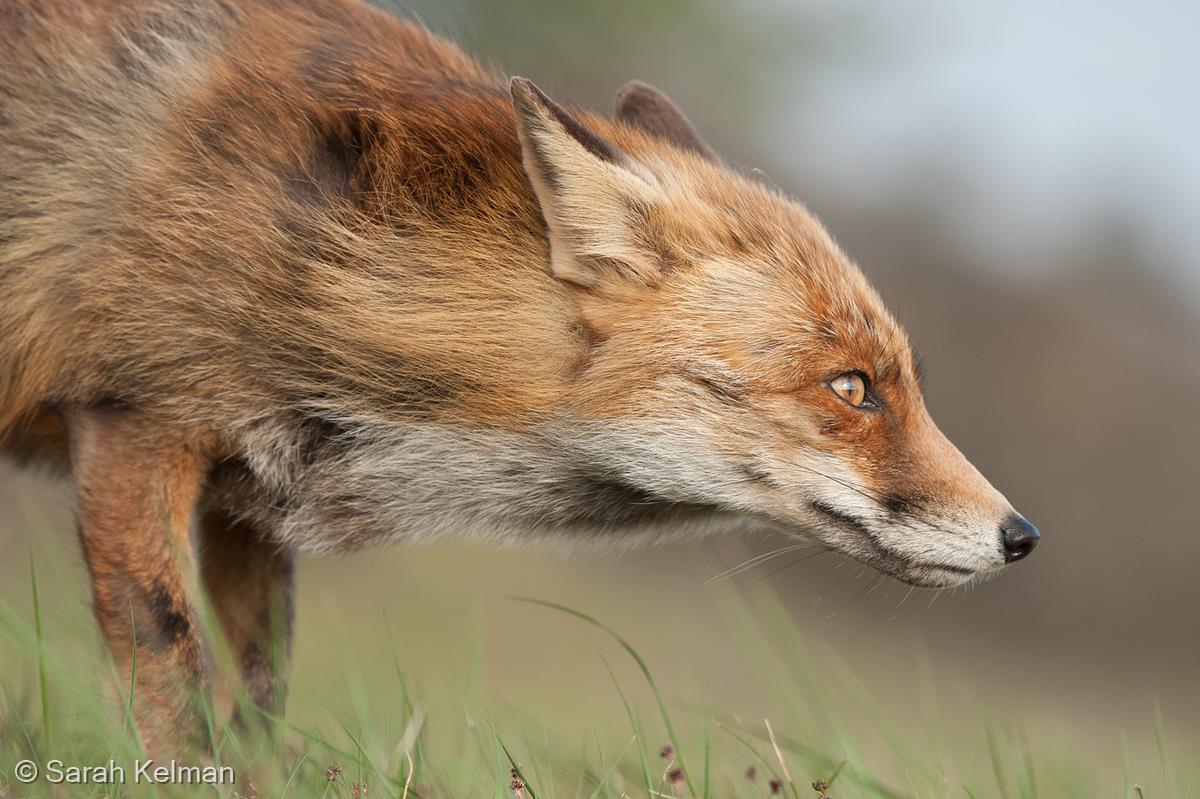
759,284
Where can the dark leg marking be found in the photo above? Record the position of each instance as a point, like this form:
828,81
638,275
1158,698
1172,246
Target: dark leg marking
170,622
250,582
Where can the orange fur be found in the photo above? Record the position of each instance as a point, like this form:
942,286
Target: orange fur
309,273
137,485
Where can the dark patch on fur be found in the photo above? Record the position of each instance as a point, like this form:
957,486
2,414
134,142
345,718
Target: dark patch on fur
322,438
830,427
755,474
770,346
842,519
259,676
444,179
110,403
170,623
596,498
340,154
736,242
719,389
216,139
669,261
336,155
232,484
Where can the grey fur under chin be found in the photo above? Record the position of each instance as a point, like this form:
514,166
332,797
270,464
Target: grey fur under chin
355,486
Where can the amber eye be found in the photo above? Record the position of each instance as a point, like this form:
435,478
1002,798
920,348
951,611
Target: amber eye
851,387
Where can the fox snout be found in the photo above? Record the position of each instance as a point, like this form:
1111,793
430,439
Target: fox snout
944,523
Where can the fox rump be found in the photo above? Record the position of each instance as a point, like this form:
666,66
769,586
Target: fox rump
300,276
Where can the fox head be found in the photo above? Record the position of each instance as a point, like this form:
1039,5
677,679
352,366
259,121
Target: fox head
738,359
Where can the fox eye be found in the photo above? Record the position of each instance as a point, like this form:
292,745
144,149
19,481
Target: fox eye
851,387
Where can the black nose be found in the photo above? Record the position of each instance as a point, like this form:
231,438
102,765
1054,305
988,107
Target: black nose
1018,537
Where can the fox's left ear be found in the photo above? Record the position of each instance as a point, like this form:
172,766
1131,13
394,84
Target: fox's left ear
644,106
595,198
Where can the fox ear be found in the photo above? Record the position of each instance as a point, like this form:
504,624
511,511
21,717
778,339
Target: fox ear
644,106
593,195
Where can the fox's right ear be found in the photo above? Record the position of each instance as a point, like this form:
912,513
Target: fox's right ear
594,197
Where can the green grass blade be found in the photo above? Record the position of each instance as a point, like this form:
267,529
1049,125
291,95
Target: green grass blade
607,774
338,752
637,731
867,781
633,653
512,761
1030,788
753,750
707,764
997,761
1160,739
362,758
292,774
43,683
129,720
1127,792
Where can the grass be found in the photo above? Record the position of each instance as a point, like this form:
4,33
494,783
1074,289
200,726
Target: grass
826,736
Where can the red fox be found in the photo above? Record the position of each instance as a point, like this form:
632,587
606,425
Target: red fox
296,276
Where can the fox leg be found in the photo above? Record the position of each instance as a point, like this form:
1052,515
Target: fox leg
137,486
249,581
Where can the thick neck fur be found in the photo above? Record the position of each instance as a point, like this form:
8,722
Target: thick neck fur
318,192
329,205
410,253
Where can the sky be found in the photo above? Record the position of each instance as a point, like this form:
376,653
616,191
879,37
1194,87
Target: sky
1057,112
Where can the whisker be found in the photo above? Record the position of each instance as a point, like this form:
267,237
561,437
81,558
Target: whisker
869,493
903,599
844,483
795,562
750,563
868,588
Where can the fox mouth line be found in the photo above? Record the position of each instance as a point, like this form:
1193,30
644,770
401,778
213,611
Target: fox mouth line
885,559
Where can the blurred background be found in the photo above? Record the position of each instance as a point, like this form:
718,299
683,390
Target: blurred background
1021,181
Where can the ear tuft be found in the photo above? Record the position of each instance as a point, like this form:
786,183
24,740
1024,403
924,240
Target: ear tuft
644,106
